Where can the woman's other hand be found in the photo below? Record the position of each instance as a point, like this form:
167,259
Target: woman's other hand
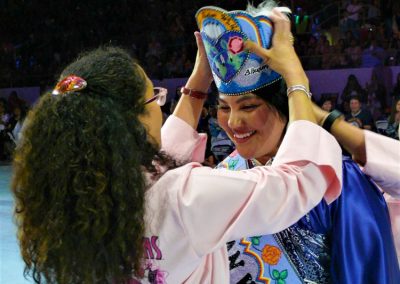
281,57
201,76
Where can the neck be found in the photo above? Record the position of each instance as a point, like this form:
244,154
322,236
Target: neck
264,159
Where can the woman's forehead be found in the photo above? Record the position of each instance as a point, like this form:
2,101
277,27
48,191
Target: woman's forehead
237,99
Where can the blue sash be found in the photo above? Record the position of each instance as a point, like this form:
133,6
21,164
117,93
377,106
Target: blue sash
349,241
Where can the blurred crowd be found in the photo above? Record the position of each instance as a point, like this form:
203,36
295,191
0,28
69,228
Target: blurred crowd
349,34
38,37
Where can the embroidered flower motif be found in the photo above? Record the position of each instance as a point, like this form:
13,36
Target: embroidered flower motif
255,241
235,45
271,254
279,277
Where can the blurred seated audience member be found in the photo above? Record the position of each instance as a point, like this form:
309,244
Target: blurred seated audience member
396,89
373,12
17,120
4,129
351,20
394,120
4,115
373,55
352,88
338,56
396,20
221,145
387,16
327,103
376,92
354,53
392,48
154,48
324,50
348,37
301,22
359,117
313,60
14,101
202,127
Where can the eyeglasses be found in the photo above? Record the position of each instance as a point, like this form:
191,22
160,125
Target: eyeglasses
160,94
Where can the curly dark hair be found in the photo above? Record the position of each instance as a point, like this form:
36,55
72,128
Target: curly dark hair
79,175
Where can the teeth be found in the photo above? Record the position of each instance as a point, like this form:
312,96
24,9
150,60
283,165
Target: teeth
241,136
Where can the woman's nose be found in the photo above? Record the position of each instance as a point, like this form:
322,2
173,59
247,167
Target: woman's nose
235,120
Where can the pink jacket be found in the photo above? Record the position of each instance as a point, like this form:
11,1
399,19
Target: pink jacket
192,211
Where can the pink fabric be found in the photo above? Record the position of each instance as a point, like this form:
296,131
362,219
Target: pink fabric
192,211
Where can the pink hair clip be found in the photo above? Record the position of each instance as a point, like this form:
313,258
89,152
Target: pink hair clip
69,84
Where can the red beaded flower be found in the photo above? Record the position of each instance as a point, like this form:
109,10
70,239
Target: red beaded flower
235,45
69,84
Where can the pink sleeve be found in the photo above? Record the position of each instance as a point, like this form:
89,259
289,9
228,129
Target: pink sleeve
383,162
216,205
181,141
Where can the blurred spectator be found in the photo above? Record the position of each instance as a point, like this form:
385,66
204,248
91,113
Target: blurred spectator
301,22
4,114
4,130
374,12
352,17
392,52
202,127
326,103
396,89
324,50
387,14
359,117
352,89
154,48
348,37
31,53
376,92
338,57
373,55
6,143
394,120
354,53
221,145
313,59
16,122
396,20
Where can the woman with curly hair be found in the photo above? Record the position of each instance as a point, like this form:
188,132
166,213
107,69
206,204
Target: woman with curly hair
97,201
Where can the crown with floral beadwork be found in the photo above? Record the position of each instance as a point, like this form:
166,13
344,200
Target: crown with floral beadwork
235,70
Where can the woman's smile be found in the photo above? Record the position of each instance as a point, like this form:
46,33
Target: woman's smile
243,137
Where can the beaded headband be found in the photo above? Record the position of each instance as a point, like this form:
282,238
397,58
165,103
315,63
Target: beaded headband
235,70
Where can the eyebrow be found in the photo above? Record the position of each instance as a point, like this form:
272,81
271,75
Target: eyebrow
240,99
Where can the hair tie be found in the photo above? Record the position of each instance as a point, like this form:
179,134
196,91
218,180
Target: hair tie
68,85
